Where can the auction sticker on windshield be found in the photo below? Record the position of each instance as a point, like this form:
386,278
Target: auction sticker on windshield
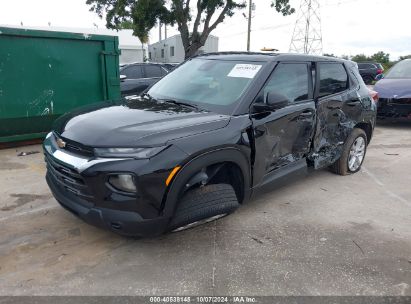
244,70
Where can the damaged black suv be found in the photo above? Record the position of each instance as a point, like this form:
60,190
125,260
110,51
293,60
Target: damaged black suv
206,138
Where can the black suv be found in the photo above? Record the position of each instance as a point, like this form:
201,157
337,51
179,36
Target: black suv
370,70
206,138
137,77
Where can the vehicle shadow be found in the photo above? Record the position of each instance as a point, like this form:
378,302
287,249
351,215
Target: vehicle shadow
395,124
259,201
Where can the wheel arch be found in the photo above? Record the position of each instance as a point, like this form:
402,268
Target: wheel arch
367,128
227,158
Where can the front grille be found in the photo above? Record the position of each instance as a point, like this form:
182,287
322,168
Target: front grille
395,101
68,178
75,147
78,150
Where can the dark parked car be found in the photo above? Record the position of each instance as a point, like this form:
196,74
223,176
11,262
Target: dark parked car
206,138
394,91
370,70
137,77
171,66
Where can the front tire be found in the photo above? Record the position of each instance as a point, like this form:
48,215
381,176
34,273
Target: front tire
203,205
352,157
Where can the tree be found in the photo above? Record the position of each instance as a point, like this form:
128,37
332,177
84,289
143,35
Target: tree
360,58
405,57
381,57
283,7
145,14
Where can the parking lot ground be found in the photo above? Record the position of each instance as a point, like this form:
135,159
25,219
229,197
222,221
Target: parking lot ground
322,235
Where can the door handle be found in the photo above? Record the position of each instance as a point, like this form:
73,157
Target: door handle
306,114
353,103
334,107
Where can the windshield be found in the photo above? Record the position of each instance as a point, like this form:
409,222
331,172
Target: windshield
401,70
214,85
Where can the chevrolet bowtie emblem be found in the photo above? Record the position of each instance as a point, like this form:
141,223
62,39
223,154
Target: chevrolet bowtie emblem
61,143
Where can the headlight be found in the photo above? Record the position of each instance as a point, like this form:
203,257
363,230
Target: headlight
123,182
140,153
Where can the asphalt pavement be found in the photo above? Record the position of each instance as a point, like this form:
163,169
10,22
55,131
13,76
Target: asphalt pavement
321,235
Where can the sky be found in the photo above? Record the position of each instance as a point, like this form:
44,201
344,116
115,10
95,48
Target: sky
349,27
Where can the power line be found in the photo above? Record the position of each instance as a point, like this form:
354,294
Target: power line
265,28
339,3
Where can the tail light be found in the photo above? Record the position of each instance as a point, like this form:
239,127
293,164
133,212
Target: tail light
380,71
373,95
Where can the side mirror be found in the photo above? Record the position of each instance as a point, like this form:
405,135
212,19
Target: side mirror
276,101
379,77
273,101
123,77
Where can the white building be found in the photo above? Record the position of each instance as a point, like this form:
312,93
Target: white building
131,48
172,50
129,45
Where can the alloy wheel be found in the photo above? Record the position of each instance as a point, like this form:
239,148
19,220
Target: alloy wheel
356,155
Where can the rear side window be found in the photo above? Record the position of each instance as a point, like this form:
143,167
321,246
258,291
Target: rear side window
333,79
164,71
367,66
290,80
132,72
153,71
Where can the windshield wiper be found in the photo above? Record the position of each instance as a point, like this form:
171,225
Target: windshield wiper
147,95
173,101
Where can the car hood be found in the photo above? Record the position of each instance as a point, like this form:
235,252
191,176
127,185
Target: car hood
135,122
393,88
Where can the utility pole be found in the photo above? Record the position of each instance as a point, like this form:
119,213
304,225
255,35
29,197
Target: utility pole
250,8
159,31
307,36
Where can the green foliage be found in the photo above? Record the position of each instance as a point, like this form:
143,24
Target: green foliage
126,25
380,57
405,57
360,58
283,7
140,16
143,15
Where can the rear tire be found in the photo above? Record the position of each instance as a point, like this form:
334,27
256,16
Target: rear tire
203,205
342,165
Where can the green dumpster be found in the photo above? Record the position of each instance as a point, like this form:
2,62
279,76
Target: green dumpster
44,74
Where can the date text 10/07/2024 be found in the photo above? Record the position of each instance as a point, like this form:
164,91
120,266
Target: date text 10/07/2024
203,299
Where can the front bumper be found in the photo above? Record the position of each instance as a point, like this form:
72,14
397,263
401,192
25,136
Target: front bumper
389,108
79,184
126,223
